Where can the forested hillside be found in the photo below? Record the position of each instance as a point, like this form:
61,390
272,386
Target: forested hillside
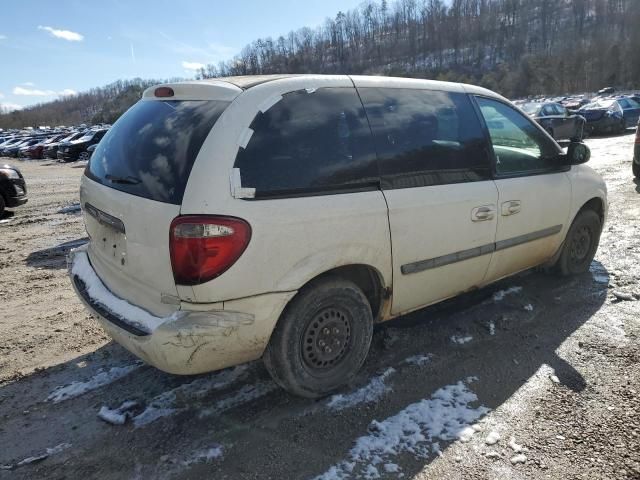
516,47
98,105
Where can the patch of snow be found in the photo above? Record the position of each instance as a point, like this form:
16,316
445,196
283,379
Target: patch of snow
370,393
204,456
414,429
460,340
165,404
118,416
554,378
6,220
500,294
560,437
466,434
492,328
516,447
144,320
38,458
391,468
600,278
492,438
420,360
528,307
520,458
75,389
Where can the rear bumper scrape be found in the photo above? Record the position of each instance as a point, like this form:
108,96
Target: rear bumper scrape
184,343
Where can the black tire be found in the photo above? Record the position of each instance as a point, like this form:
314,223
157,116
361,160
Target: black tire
321,339
623,126
3,205
636,169
581,244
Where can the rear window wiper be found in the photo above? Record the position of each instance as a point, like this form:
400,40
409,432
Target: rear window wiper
128,180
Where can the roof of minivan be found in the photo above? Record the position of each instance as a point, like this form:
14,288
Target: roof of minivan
229,87
247,81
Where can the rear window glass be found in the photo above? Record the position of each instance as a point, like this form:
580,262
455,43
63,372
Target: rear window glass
150,150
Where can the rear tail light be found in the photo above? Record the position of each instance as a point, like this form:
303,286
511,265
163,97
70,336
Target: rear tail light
204,247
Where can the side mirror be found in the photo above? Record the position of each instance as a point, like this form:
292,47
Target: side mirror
578,153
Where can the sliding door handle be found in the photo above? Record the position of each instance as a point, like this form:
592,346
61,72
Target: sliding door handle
511,207
483,213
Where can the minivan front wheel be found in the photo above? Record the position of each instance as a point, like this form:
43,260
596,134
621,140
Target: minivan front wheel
581,244
321,340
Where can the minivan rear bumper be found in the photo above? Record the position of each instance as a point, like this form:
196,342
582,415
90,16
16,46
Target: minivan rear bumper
187,342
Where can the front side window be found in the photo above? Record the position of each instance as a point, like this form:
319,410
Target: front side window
519,145
310,142
426,137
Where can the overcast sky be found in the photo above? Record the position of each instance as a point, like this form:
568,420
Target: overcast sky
53,48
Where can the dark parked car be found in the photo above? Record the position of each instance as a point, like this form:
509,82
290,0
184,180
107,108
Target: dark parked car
630,110
15,149
13,189
556,119
70,151
636,154
37,151
86,155
610,115
10,143
52,149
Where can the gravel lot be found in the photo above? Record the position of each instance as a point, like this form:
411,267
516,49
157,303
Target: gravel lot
534,377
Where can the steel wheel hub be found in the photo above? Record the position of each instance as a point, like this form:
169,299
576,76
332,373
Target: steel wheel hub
580,244
326,338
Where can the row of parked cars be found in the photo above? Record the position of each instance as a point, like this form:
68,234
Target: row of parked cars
66,146
573,118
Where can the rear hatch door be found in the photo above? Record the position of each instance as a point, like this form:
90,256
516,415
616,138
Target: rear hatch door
132,190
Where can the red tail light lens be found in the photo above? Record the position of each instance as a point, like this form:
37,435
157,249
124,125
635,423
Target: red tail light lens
204,247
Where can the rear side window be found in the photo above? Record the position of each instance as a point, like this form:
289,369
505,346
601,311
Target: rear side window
426,137
150,150
310,142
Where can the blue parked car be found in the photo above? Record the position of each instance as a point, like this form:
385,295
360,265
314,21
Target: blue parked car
610,115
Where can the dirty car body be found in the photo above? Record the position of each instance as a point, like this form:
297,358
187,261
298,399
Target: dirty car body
216,208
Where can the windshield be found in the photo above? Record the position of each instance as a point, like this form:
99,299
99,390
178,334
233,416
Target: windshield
150,150
531,108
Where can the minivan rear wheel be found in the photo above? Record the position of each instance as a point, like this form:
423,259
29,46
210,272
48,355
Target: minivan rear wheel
636,169
321,340
581,244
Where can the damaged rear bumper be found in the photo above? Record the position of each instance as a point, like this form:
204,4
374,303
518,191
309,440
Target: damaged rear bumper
188,341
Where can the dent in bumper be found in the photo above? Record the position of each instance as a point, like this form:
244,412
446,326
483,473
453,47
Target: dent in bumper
190,342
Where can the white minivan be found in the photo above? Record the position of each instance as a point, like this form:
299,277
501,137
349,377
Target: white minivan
283,216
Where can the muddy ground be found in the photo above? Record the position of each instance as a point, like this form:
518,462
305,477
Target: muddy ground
535,377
